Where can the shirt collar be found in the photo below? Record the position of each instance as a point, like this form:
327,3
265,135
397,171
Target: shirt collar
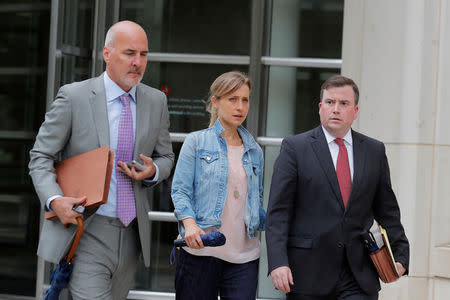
113,91
347,137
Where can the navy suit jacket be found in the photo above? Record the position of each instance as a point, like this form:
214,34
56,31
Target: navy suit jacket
309,229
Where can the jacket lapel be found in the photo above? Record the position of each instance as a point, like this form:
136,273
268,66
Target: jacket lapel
322,151
99,111
142,121
359,161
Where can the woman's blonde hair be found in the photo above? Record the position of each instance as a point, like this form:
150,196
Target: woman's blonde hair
223,85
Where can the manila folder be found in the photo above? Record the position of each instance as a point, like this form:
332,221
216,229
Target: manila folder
87,174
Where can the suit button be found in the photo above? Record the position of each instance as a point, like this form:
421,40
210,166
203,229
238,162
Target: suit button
340,245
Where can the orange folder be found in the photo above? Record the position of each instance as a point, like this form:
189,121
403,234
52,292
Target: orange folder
87,174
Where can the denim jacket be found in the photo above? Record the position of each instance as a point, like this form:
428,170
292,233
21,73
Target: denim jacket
199,185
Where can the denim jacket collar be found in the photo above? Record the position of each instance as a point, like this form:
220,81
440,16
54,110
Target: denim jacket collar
247,139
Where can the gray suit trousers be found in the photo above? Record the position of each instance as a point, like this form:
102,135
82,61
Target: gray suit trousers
105,261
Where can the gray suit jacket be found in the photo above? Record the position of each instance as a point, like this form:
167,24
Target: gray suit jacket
77,122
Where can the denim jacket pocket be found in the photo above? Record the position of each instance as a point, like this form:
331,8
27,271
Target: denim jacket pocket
208,156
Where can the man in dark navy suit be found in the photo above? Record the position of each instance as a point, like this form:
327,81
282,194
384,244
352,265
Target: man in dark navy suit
328,186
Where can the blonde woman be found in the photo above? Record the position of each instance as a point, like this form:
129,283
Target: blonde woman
218,186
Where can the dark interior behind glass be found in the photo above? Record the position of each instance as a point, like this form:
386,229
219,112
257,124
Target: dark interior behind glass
194,26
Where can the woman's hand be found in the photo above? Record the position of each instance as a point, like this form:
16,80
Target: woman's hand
192,234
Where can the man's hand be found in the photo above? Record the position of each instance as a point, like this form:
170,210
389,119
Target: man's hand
282,278
401,270
192,234
149,171
63,209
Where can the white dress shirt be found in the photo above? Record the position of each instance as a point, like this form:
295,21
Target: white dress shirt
334,148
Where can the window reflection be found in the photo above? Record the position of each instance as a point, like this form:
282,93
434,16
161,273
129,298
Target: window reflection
24,39
78,23
24,35
293,99
160,275
307,28
74,68
14,164
187,87
19,220
195,26
265,285
23,62
19,225
20,100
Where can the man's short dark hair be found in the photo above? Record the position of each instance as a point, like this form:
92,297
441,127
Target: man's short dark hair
338,81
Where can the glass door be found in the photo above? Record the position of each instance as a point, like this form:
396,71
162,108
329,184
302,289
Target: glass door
71,43
24,27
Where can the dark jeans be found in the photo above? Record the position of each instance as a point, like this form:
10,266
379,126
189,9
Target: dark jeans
346,289
205,277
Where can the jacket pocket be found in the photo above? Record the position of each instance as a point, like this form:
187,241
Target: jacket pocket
208,156
305,243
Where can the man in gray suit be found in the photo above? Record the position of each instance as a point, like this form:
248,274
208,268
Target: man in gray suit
113,109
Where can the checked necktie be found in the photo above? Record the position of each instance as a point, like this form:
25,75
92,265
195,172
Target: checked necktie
126,206
343,171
